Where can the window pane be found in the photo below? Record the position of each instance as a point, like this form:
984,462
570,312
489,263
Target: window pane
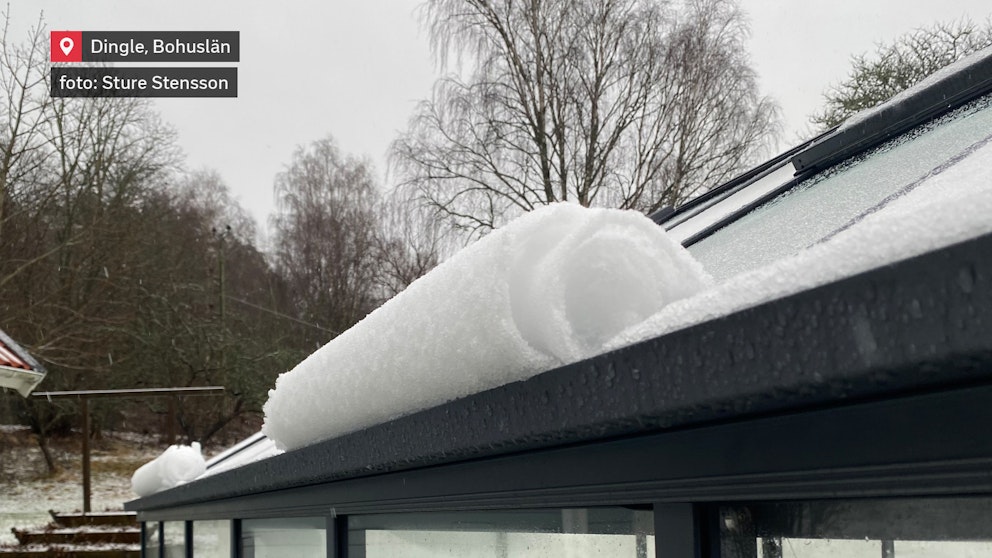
843,548
151,538
212,539
801,548
301,537
175,539
886,528
839,197
682,229
942,549
578,533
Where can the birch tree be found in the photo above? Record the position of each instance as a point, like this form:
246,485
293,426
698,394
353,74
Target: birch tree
324,234
633,104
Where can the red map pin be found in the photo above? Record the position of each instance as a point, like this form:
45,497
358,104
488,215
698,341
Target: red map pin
67,46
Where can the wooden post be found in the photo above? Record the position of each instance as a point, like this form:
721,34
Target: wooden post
86,454
85,395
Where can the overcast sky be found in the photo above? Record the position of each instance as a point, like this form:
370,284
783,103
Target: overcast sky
355,68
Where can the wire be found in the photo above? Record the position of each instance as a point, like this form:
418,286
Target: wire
281,315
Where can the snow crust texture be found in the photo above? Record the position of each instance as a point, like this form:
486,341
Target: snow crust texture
550,288
177,465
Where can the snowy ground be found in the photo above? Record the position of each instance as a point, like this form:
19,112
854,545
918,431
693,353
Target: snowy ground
27,493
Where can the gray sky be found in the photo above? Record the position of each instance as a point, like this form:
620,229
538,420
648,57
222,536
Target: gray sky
356,68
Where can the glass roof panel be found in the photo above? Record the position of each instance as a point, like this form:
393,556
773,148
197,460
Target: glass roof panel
686,228
838,197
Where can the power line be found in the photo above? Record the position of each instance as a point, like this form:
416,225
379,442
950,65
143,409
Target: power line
281,315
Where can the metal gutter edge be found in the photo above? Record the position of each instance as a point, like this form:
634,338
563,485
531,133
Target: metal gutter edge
892,118
913,326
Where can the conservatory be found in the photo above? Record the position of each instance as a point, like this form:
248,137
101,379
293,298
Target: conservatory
823,390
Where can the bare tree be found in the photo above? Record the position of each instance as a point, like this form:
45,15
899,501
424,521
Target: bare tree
621,103
118,268
204,193
898,65
23,113
324,234
209,307
409,242
73,174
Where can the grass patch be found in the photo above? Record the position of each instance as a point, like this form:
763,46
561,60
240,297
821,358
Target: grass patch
124,467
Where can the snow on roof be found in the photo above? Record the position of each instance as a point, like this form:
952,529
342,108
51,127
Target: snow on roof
550,288
963,65
253,448
565,283
178,464
947,208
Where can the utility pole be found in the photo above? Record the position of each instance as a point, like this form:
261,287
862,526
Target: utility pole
221,256
85,395
221,294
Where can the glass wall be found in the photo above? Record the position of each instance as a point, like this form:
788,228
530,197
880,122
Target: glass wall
152,538
212,539
956,527
174,541
300,537
848,548
903,528
576,533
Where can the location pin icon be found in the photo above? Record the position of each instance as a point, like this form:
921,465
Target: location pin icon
66,45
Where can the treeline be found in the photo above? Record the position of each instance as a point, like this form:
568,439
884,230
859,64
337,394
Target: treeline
120,269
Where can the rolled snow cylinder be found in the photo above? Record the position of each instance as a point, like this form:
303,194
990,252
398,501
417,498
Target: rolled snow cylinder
550,288
177,465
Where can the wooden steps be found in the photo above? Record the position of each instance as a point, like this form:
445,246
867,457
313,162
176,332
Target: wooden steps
69,552
82,535
79,536
79,519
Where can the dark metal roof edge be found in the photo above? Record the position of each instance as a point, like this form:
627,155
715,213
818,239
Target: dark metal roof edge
22,353
668,213
248,443
891,119
873,335
892,447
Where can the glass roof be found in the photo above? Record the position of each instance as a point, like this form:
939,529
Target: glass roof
834,199
694,224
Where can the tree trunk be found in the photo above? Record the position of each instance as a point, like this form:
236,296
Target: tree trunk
53,466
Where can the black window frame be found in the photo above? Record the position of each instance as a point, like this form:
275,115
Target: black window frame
844,142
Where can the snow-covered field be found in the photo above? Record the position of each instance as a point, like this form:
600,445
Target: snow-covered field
27,493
